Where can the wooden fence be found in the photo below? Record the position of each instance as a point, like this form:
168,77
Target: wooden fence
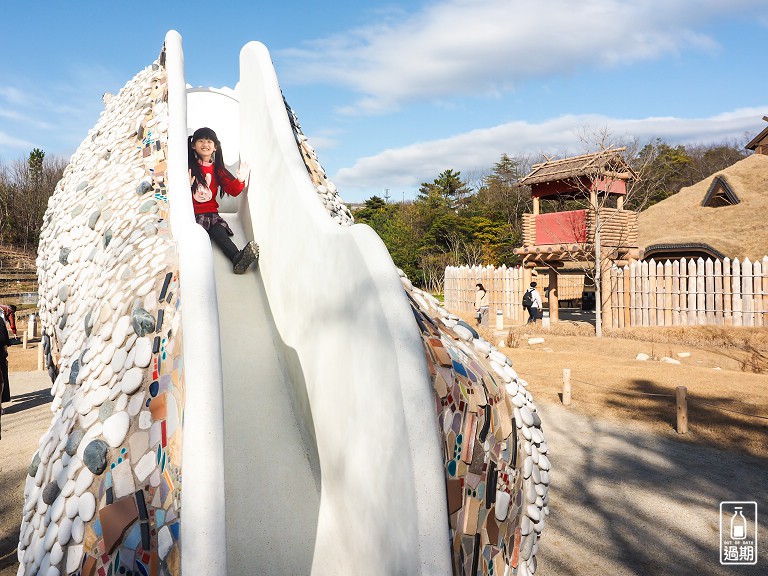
688,293
504,287
671,293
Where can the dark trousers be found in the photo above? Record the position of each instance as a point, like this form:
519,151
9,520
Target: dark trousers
220,237
533,314
6,397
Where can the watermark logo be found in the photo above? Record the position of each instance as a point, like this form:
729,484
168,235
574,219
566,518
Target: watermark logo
738,533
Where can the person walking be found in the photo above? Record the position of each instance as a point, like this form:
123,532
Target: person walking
5,340
532,303
481,303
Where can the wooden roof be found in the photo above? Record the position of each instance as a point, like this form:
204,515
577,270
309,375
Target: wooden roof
757,140
738,231
609,161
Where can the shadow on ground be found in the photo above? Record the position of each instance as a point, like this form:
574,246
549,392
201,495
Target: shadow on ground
22,402
624,501
742,421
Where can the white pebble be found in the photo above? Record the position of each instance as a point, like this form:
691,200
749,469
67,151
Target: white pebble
116,428
132,380
86,507
84,481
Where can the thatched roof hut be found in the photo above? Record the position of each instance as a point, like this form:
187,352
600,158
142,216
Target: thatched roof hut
577,174
723,215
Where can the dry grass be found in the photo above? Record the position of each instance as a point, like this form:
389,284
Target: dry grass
16,259
725,375
726,408
20,360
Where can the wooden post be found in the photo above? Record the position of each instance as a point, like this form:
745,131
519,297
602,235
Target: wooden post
658,280
554,307
605,291
667,293
627,298
567,386
718,272
757,293
709,291
736,292
691,292
676,304
747,309
727,295
24,340
644,297
681,400
40,366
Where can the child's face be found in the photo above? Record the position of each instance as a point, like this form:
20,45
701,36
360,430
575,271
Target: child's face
204,149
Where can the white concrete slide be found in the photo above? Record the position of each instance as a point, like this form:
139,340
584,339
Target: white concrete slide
310,439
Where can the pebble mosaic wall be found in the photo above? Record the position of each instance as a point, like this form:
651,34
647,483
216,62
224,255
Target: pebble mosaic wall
326,190
496,466
103,491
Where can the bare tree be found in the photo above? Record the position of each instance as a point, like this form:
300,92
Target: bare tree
433,269
25,186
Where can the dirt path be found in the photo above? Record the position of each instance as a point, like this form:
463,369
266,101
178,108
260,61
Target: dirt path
624,499
627,501
27,418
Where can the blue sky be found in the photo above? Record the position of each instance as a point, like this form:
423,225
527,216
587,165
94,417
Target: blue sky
392,93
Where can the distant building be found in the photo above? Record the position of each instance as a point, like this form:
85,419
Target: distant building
556,241
722,215
759,143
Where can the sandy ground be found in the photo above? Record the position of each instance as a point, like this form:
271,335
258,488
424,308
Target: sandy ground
628,496
26,419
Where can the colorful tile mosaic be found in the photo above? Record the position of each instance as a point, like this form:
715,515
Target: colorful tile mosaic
112,340
496,468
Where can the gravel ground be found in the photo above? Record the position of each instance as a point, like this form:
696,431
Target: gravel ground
623,500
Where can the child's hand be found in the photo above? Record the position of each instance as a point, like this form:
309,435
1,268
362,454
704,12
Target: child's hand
191,178
243,171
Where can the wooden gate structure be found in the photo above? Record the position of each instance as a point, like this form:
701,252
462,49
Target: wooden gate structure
597,181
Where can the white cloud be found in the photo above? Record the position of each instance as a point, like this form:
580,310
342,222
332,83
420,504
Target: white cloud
10,142
53,115
485,47
409,166
321,141
12,95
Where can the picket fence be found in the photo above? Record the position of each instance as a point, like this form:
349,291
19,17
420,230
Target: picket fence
684,292
688,293
504,287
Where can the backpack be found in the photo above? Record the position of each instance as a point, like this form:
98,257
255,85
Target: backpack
527,298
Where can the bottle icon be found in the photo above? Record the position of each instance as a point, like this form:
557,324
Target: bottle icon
738,525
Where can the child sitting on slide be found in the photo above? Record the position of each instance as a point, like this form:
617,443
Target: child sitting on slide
207,175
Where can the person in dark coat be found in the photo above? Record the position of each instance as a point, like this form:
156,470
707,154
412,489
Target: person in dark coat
5,340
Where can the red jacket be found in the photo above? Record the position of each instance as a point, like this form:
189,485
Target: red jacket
10,317
229,184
